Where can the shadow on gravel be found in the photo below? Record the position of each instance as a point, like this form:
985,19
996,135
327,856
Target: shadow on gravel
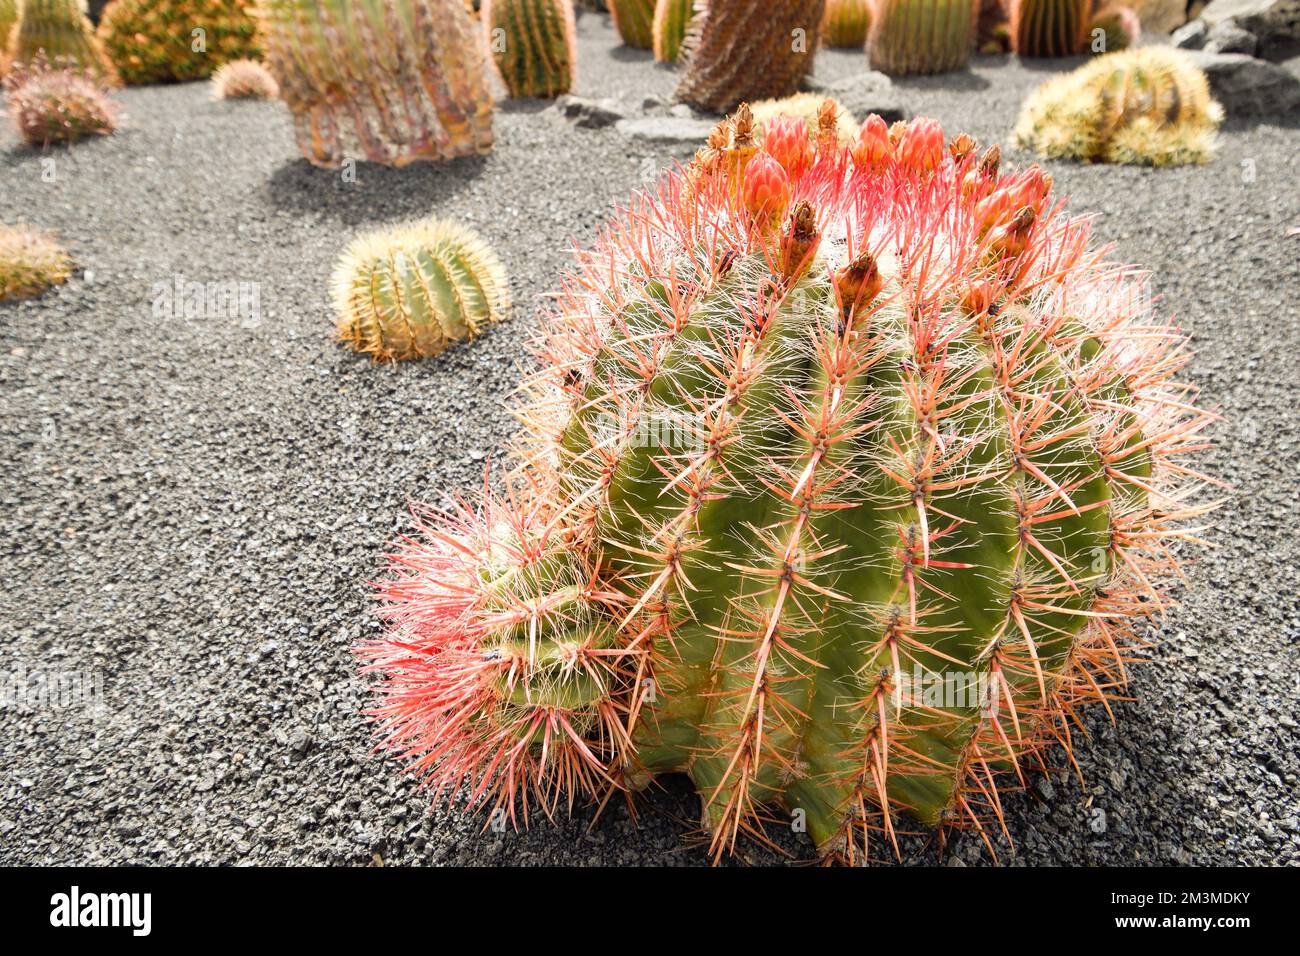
378,194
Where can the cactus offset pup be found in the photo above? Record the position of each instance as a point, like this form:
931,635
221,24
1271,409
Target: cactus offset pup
806,449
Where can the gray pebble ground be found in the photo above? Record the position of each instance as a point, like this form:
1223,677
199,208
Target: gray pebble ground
192,508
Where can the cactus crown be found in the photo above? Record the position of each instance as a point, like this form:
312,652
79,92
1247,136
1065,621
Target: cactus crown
243,79
411,291
805,434
1148,106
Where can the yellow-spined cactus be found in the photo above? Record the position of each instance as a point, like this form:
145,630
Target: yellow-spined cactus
1148,107
171,41
807,107
412,291
30,262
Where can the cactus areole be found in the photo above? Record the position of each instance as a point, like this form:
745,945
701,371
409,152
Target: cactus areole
841,487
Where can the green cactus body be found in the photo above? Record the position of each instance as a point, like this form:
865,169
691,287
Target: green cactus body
746,50
634,20
921,36
1148,106
390,81
8,19
533,45
412,291
159,41
672,17
63,33
846,22
1049,27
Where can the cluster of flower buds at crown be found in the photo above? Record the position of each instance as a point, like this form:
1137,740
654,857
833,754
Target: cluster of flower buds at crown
785,139
767,190
1003,201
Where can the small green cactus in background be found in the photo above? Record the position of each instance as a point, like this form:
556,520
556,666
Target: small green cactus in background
344,66
846,22
172,41
61,31
30,262
1119,29
533,45
244,80
1049,27
672,17
412,291
921,36
634,21
1148,107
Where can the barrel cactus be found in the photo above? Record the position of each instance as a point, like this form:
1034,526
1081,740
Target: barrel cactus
1113,29
533,45
169,41
805,450
344,66
30,262
921,36
634,21
845,23
244,80
1049,27
739,50
8,19
412,291
1148,106
62,104
672,17
61,32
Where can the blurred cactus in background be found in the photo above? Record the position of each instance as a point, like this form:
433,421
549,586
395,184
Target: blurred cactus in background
634,20
533,45
389,81
846,22
738,50
52,104
1119,28
412,291
1149,106
1049,27
672,17
992,29
244,80
61,31
169,41
30,262
921,36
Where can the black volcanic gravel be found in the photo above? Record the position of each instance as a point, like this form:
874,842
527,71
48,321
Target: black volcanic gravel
192,507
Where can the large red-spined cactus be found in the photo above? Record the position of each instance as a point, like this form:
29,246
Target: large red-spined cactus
846,477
